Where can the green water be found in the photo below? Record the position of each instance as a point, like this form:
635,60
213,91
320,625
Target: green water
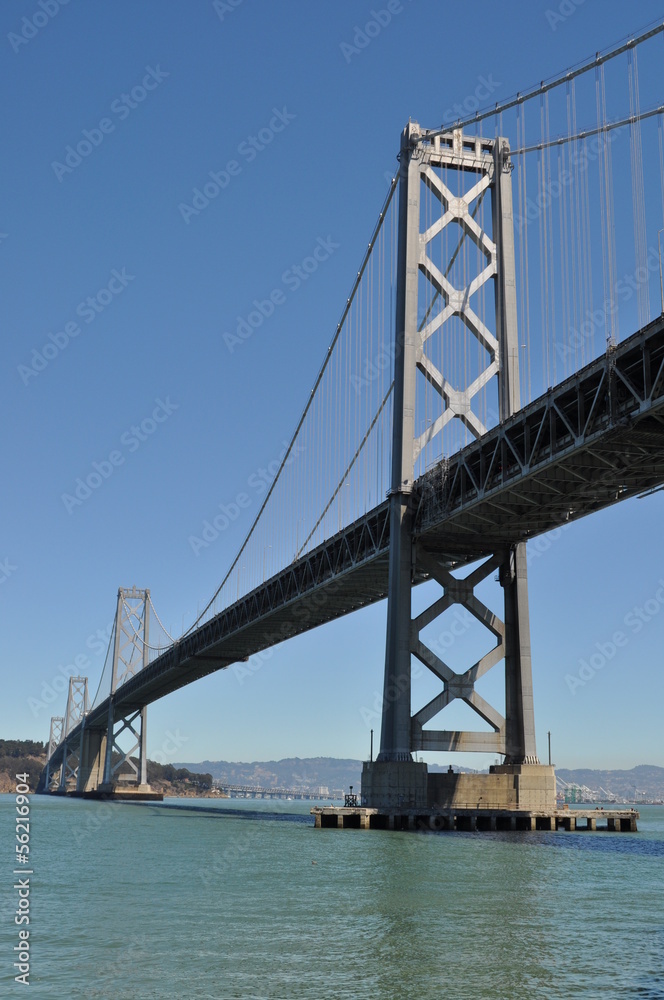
245,899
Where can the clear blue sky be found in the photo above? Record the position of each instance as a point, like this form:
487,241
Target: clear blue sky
166,284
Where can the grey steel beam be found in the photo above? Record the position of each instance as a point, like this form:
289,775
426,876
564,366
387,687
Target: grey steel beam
519,707
55,735
50,774
77,703
509,399
446,741
130,658
395,728
520,744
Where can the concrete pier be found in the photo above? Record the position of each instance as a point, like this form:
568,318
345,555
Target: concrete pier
140,793
490,820
408,785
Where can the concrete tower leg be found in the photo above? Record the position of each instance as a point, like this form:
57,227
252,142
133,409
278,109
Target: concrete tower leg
91,766
520,747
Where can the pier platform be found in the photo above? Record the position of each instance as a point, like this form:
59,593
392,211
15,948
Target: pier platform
366,818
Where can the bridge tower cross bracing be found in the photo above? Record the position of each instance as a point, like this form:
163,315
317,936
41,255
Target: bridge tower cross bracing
75,712
51,776
130,654
394,779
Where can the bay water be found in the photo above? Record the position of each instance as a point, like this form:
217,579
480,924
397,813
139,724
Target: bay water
245,899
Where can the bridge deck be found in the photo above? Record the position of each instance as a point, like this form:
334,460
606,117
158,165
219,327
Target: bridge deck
591,441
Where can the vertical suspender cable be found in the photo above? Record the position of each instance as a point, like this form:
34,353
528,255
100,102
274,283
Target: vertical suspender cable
608,292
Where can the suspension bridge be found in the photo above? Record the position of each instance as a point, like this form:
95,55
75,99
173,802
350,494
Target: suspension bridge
497,371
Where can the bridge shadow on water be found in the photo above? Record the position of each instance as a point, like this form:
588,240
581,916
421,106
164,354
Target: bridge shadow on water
650,986
649,991
219,812
602,842
598,842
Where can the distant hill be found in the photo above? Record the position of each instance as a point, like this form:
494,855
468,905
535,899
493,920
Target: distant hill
177,781
292,772
20,757
646,781
311,772
29,757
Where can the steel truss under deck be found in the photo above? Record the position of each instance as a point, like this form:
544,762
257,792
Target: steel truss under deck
591,441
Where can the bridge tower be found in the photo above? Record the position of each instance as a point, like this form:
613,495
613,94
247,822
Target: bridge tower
50,779
394,779
75,712
124,731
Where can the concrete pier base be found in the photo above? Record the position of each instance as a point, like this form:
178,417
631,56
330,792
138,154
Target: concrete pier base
506,786
394,784
408,785
128,793
470,820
